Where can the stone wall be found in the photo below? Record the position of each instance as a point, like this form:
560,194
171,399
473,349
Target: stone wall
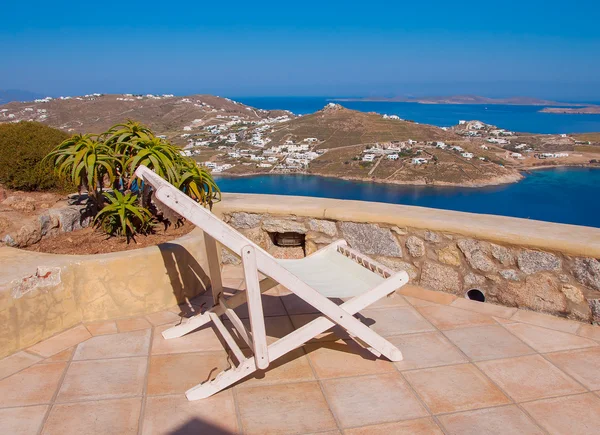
508,274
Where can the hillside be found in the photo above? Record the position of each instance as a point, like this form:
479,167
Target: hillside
335,126
166,115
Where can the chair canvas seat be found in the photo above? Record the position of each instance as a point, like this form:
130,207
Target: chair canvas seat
335,271
333,274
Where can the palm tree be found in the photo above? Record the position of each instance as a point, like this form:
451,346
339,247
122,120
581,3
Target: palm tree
86,161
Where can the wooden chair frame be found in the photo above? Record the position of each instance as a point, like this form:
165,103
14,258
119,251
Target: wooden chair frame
256,260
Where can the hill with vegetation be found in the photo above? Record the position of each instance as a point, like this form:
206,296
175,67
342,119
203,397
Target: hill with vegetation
23,146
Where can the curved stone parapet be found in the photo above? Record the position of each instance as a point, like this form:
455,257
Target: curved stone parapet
523,263
43,294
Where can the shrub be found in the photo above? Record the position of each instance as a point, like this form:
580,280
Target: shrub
109,160
123,216
23,146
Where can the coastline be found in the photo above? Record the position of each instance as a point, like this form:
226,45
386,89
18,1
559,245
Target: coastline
535,168
496,181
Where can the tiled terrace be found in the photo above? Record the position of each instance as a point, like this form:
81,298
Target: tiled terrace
468,368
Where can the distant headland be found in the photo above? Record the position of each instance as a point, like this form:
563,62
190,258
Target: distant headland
466,99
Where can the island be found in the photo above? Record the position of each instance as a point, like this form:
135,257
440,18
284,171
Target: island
588,110
233,139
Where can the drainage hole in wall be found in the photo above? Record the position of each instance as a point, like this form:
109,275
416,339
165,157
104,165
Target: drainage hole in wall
475,295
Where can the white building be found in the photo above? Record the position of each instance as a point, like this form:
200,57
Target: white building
484,147
392,157
467,156
368,157
419,161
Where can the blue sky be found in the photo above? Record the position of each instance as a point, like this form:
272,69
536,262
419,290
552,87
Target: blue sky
333,48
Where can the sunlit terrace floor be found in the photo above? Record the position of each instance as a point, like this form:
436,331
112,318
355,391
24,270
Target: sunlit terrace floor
469,368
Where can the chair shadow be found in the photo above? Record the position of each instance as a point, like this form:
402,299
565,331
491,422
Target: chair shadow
196,426
188,278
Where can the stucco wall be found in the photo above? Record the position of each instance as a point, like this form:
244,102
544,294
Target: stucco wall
43,294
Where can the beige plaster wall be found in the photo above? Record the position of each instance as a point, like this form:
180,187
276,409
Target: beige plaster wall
42,294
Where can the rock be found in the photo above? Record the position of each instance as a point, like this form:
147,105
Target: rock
480,261
20,204
228,257
415,246
432,237
540,292
503,255
70,218
510,274
29,234
295,252
449,255
258,236
371,239
440,277
8,240
397,265
9,200
595,307
473,280
587,272
564,278
468,246
322,226
319,238
537,261
48,224
310,247
284,225
399,231
574,294
476,254
242,220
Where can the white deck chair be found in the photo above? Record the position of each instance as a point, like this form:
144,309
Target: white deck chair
336,271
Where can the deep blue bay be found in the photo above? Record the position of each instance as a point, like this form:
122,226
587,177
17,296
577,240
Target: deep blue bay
564,195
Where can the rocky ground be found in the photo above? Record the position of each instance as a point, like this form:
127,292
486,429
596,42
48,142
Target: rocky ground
56,223
26,217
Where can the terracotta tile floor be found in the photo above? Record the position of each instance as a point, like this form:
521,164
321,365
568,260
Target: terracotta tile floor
468,368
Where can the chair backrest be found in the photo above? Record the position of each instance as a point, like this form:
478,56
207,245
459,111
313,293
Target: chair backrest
203,218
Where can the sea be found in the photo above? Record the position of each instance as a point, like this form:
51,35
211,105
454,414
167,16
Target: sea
563,195
525,119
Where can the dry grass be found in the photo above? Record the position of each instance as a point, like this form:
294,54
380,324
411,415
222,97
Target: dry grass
343,127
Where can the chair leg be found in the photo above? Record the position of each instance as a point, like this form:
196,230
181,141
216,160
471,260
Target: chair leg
223,380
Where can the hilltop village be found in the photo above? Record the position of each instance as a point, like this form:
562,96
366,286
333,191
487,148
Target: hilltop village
230,138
